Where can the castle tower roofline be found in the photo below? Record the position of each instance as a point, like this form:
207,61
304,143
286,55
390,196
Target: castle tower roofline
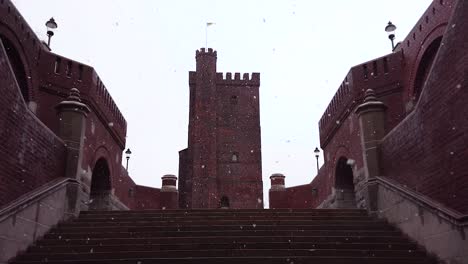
204,52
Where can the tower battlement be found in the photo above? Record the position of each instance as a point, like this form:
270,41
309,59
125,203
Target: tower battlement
246,80
204,51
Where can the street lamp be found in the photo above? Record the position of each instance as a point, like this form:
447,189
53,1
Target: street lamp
317,151
127,156
390,29
51,26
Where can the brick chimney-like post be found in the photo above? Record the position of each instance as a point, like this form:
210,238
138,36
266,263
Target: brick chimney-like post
72,115
372,129
277,194
72,123
169,192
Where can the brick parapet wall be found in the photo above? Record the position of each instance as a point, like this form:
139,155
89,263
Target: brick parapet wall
56,75
32,155
428,151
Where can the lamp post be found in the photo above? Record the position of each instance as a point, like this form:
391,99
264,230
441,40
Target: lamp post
317,151
127,156
390,29
51,26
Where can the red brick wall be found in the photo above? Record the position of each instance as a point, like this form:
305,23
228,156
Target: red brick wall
185,179
431,25
125,188
147,198
300,196
31,155
428,151
238,133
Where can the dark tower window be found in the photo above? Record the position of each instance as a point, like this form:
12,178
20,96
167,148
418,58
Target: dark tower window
234,99
235,157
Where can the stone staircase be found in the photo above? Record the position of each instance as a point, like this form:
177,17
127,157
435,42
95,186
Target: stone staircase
225,236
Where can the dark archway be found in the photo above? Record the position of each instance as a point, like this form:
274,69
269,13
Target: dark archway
17,66
344,185
425,66
100,186
224,203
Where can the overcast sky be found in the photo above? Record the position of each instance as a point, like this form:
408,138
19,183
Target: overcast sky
143,51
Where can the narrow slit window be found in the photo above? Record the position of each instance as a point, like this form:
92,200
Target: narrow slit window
39,56
366,73
69,68
80,72
385,65
375,70
58,61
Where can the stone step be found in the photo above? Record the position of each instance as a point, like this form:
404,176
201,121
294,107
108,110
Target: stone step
170,215
245,260
222,239
345,236
97,218
230,211
65,248
240,232
251,227
220,222
123,254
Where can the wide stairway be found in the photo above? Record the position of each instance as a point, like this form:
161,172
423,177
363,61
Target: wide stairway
225,236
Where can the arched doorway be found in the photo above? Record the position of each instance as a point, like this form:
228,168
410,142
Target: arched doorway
17,66
424,67
100,195
344,185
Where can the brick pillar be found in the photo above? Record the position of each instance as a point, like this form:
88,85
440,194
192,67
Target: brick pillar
277,194
169,193
72,123
372,129
72,117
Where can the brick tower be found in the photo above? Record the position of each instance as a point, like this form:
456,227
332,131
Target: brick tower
222,165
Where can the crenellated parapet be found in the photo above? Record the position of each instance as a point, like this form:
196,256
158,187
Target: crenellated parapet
56,75
206,52
383,75
231,79
235,79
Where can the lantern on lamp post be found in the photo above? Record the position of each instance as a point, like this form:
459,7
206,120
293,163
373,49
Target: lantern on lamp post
51,26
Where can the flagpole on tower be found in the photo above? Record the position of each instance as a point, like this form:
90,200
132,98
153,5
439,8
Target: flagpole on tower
206,32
